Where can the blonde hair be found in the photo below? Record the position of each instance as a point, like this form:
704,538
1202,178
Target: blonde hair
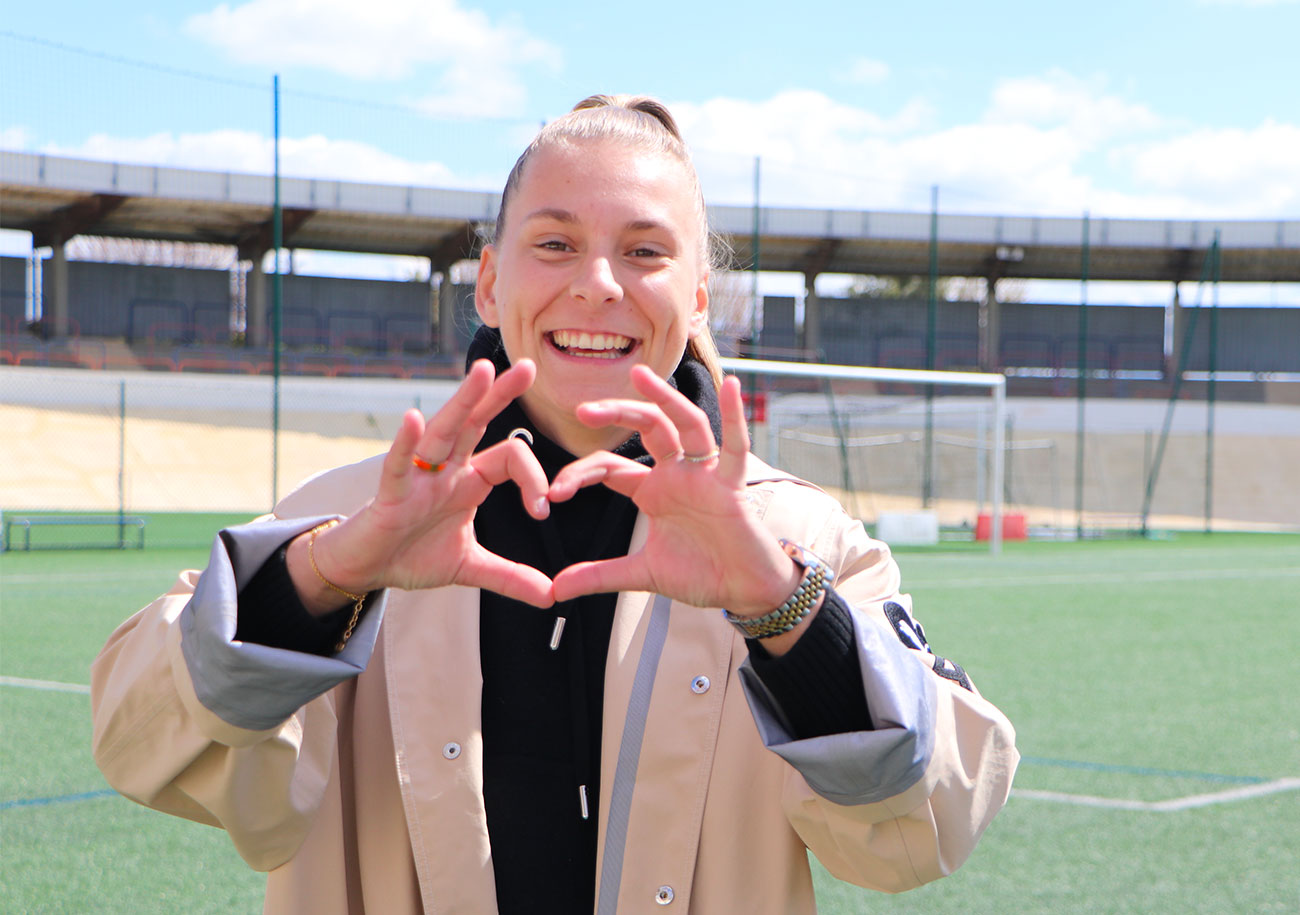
647,124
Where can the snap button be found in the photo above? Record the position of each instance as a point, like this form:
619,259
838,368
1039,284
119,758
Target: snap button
451,750
700,685
665,895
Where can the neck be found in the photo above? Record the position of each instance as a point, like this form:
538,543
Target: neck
573,436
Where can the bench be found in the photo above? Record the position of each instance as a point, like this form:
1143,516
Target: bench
124,523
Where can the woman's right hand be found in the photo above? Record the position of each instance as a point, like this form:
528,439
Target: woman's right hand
418,530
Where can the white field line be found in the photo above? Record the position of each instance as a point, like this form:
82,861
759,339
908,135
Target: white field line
1086,579
65,578
1170,806
51,685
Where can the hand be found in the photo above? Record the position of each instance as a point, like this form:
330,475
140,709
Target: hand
706,546
418,530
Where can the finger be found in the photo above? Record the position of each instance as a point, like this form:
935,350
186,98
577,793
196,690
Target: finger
395,476
485,569
735,432
608,576
616,472
440,435
690,421
658,434
513,460
509,385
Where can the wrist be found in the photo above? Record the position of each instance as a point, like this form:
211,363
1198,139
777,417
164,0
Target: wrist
321,588
803,601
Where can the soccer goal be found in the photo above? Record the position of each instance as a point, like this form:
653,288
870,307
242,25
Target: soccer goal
886,442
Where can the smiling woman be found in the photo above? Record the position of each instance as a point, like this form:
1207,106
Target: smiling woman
717,673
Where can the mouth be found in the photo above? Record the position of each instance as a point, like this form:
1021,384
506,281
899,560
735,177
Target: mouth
591,346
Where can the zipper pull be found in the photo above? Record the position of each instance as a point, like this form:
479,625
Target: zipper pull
557,632
582,800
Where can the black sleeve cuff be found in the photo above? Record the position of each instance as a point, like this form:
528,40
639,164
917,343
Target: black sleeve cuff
817,683
272,614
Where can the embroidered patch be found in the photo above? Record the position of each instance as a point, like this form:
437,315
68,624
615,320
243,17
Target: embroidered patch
950,671
911,634
907,629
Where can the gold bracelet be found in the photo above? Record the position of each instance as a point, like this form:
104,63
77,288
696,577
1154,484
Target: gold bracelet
359,598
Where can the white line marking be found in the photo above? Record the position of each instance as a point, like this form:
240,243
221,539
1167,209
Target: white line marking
1085,579
1170,806
51,685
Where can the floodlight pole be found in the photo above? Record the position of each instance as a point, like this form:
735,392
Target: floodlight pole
1082,385
931,319
1210,392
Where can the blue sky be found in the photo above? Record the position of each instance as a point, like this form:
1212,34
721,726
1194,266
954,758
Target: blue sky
1171,108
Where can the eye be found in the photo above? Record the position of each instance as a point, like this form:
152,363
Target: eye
554,244
643,251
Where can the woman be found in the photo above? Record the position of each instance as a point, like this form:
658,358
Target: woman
479,674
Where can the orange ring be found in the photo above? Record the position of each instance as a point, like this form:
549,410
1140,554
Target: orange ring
427,466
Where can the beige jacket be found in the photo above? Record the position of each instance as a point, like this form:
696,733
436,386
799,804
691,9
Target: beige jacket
368,797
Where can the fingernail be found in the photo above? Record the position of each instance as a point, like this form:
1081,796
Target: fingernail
541,508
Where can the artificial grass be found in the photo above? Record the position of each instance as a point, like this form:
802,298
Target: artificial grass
1144,670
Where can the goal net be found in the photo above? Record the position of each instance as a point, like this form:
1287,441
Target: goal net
896,446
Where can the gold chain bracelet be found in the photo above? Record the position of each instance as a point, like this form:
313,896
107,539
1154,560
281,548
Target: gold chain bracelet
360,599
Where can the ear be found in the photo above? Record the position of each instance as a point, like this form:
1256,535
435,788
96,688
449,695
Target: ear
699,318
485,301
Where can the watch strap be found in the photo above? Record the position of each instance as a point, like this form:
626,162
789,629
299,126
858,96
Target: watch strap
812,586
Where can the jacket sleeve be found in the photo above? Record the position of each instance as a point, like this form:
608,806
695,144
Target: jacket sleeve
190,721
904,803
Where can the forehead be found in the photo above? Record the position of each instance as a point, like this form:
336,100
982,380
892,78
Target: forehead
606,178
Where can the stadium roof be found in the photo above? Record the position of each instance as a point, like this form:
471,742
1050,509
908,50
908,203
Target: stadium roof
56,198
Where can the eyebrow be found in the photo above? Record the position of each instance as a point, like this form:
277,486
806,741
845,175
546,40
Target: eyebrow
564,216
552,213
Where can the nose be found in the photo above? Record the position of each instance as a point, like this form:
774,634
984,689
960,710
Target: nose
594,281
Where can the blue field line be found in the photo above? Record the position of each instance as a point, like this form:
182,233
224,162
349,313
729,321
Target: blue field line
60,799
1143,770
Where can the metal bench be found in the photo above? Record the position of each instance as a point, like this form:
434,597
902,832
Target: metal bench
124,523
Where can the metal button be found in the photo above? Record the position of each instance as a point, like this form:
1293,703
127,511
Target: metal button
664,895
700,685
451,750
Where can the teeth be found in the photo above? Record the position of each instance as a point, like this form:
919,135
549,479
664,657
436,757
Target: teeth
607,345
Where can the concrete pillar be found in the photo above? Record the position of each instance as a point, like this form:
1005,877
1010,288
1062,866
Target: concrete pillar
1175,327
446,313
990,327
56,291
812,317
255,325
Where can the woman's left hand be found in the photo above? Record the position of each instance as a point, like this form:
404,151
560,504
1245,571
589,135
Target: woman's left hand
705,545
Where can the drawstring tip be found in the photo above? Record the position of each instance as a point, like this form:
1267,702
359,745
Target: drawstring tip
557,632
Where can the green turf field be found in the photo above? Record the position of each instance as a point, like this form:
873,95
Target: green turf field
1158,674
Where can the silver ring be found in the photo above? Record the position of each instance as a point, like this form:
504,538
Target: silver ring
670,456
523,433
701,458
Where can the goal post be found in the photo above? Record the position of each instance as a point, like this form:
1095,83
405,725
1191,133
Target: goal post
993,384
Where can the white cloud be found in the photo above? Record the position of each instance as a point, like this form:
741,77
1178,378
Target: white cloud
1059,99
476,60
15,137
1049,145
313,156
1229,170
867,71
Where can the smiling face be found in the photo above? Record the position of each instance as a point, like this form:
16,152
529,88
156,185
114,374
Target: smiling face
599,265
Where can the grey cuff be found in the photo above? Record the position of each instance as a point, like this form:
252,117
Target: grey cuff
248,685
861,767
